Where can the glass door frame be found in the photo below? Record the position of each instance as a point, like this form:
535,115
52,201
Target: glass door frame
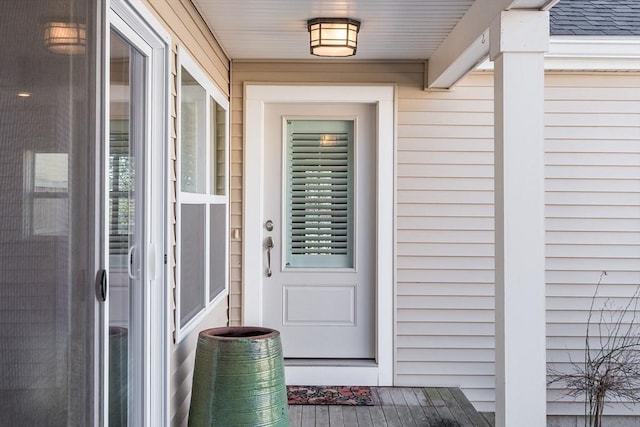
142,31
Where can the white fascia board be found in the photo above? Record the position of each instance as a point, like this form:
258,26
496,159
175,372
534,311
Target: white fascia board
467,45
594,53
583,53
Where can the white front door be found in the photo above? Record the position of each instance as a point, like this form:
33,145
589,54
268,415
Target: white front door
321,102
319,229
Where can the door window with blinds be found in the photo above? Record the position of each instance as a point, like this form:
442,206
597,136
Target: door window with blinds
202,214
121,201
319,202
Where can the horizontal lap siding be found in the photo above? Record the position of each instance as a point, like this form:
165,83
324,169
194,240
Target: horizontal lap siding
187,30
592,153
445,330
445,239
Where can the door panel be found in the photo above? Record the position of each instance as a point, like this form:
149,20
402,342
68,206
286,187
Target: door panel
126,172
319,181
332,305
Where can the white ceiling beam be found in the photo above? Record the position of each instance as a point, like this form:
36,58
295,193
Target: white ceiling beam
467,45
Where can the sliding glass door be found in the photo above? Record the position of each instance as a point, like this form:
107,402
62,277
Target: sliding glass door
133,325
126,172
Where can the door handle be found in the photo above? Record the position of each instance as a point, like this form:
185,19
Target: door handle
268,244
131,261
101,285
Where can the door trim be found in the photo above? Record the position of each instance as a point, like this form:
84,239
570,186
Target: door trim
256,96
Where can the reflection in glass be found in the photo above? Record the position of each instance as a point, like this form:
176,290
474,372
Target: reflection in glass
120,229
46,185
192,266
47,239
217,255
218,149
193,155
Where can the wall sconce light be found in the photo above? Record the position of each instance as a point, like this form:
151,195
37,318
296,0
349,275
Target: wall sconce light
65,38
333,36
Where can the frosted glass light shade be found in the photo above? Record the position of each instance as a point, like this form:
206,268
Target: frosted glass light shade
333,36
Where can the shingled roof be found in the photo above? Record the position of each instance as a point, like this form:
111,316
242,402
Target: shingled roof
596,18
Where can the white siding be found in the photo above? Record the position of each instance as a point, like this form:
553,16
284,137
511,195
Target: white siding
593,208
445,224
445,240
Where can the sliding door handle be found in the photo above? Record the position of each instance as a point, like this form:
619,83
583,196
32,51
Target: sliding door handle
101,285
132,264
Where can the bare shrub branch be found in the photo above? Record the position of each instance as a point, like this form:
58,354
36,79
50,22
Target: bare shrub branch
610,371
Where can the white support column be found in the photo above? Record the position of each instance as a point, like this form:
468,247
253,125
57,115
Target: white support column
518,42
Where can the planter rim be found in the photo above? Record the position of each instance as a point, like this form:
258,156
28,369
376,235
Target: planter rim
233,333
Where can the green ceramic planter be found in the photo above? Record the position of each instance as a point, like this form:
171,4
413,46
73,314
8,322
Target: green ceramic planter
238,379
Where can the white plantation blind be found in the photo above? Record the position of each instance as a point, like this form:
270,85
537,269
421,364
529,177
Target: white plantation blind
320,193
121,201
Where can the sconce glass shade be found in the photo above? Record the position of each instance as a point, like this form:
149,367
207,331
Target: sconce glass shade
333,36
65,38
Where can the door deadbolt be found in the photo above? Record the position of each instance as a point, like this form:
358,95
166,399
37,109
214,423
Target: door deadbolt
268,225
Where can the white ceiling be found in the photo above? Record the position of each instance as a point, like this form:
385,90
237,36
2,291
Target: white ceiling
277,29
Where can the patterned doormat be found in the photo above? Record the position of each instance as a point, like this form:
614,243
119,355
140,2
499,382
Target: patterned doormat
328,395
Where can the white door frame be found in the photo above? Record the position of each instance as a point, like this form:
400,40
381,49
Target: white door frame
138,25
256,96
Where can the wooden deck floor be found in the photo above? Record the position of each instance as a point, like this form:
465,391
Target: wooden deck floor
396,407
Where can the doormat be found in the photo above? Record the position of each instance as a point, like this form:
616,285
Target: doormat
328,395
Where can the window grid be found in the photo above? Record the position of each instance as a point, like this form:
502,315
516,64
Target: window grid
202,187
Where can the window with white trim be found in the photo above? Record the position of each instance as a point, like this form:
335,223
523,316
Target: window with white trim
202,203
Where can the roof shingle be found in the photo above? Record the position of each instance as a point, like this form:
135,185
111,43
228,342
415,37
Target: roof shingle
595,17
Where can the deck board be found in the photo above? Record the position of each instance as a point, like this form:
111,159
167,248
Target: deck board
405,416
336,418
377,416
490,418
350,416
391,416
456,410
476,418
308,416
364,416
322,416
440,406
397,407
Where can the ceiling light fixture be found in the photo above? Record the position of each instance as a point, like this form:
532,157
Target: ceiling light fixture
65,38
333,36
